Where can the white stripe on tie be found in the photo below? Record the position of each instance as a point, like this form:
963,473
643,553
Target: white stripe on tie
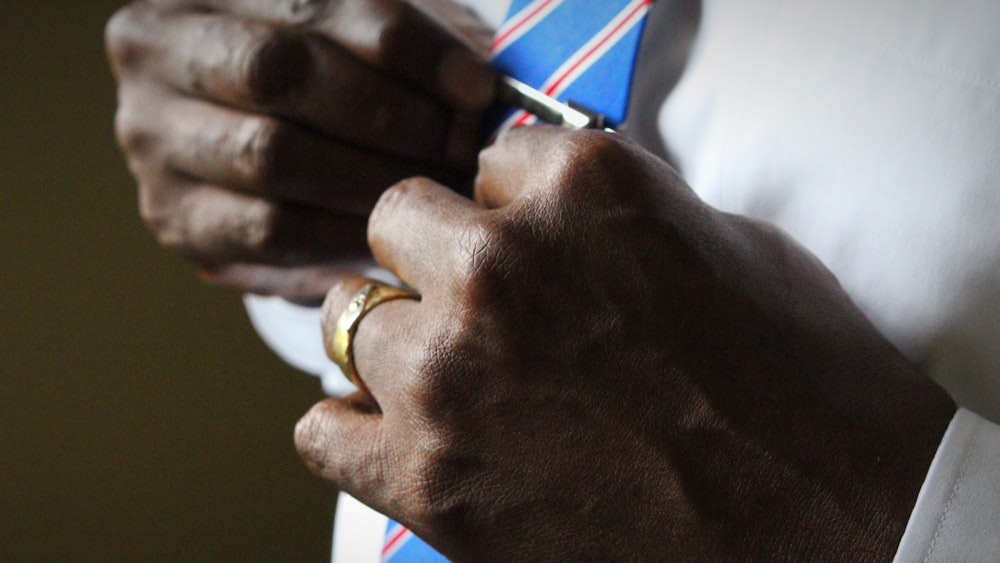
602,42
521,23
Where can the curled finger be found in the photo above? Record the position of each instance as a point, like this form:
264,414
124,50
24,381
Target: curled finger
211,225
264,68
278,159
436,46
420,230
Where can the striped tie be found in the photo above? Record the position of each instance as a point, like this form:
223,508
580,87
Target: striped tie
573,50
402,546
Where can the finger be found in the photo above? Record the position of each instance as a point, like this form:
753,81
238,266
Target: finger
519,161
265,69
420,231
306,285
392,35
211,225
340,441
276,158
383,339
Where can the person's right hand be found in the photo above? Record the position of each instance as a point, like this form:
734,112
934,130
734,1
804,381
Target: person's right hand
262,132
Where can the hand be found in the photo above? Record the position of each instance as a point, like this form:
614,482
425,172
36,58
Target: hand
263,131
601,367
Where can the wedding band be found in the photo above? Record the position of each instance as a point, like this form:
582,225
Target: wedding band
342,345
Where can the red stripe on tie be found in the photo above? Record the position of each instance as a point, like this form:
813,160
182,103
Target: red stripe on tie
398,537
499,40
597,46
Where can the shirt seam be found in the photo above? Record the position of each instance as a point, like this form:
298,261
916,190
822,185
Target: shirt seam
956,489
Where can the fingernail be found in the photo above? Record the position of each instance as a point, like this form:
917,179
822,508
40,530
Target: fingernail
468,79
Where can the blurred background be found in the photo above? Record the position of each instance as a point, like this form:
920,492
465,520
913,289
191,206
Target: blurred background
140,417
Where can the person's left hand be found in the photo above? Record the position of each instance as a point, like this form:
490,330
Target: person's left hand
600,366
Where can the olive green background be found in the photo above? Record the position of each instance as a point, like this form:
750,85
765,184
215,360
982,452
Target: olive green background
140,417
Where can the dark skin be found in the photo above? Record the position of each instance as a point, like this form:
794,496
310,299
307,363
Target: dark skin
262,132
600,366
603,367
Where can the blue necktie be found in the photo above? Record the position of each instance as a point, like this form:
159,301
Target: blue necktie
573,50
402,546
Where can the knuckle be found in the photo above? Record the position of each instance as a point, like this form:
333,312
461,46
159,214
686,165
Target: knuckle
490,251
591,144
592,154
171,240
427,382
123,36
191,223
490,265
276,65
149,208
389,203
159,218
260,149
116,30
132,136
255,229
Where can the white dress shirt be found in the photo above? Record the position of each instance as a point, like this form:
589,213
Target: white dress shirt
870,131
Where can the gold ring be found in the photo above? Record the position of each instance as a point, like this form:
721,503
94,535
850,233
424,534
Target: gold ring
342,343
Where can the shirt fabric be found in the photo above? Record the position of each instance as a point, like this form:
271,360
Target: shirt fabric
870,131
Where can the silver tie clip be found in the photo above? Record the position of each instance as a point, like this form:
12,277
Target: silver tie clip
515,93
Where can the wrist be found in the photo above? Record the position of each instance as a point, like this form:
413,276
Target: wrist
864,473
